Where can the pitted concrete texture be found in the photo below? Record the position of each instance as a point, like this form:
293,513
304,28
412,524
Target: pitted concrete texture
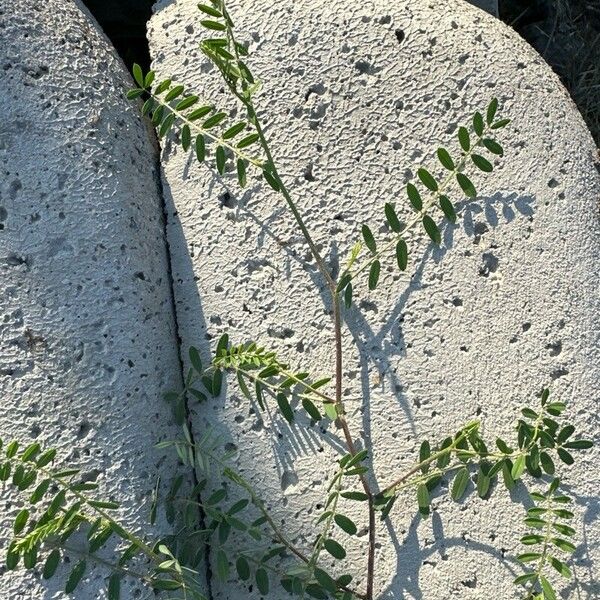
86,325
355,96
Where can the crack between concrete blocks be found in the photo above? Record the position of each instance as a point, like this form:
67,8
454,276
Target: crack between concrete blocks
188,415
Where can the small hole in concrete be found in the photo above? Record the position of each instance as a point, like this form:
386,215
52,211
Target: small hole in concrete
227,200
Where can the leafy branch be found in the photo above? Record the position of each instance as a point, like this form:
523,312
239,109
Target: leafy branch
547,518
470,140
539,437
311,578
69,509
60,505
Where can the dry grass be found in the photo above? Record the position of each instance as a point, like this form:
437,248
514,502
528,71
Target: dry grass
567,34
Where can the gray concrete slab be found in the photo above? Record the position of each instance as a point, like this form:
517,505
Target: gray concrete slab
87,339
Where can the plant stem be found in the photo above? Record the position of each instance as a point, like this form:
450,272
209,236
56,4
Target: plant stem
291,204
110,565
205,132
542,559
130,537
429,460
331,284
257,501
275,387
328,522
349,442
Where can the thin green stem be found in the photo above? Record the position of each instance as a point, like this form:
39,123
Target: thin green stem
332,508
246,100
205,132
388,490
121,531
544,553
130,537
277,387
291,204
350,444
97,559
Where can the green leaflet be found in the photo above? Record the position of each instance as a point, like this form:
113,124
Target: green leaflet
284,407
500,124
336,550
374,272
478,125
414,196
198,113
241,171
162,87
209,10
248,140
491,111
348,296
222,565
234,130
423,499
214,120
186,137
549,593
75,576
482,163
186,103
445,159
133,94
427,179
518,467
221,159
20,521
369,239
311,409
262,580
214,25
346,524
51,564
200,148
174,92
464,138
466,185
432,229
149,79
114,587
460,483
493,146
447,208
392,218
166,125
243,568
402,254
138,75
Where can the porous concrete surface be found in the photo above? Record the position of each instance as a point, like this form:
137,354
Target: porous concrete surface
86,322
355,97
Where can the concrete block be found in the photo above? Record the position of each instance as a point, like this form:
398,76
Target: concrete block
86,322
355,97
